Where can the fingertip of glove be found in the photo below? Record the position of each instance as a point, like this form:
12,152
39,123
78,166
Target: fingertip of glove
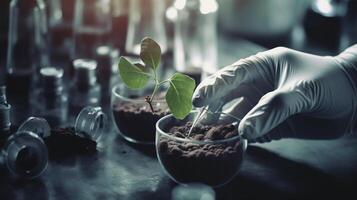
247,130
198,100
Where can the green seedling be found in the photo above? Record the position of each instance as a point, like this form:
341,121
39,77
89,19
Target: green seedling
136,76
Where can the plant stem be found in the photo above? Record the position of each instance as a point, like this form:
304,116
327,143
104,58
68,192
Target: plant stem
148,100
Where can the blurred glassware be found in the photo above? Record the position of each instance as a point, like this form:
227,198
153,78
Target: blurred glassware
261,18
50,99
25,153
28,34
91,27
350,25
85,90
324,23
120,19
60,19
195,40
146,19
27,52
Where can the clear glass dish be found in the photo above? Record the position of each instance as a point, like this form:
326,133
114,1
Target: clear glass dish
188,160
132,115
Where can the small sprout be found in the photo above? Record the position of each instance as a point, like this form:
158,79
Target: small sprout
179,94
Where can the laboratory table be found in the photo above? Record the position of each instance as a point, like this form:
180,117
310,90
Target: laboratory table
284,169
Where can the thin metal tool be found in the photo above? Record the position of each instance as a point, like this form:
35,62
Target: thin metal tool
213,108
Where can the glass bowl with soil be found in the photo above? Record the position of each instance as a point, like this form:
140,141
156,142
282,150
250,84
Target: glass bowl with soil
211,154
133,116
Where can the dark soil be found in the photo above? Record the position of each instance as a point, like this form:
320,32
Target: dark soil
63,142
212,164
137,121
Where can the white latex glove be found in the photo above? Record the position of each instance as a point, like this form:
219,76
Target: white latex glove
286,93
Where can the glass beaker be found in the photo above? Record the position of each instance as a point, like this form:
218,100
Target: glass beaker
195,40
146,19
91,27
27,52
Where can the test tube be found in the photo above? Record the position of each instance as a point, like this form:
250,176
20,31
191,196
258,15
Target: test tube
25,153
91,122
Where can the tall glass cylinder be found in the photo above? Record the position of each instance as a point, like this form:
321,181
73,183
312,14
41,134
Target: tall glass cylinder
27,39
195,40
120,20
146,19
60,19
91,27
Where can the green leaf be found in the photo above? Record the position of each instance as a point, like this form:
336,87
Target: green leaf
150,53
179,95
135,76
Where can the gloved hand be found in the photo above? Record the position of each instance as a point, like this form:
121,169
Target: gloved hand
284,93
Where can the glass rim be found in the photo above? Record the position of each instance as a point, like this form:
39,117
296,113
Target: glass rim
117,95
160,131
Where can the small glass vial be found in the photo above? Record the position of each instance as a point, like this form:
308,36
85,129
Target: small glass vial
146,19
91,27
50,99
91,123
193,191
195,37
5,108
85,90
25,153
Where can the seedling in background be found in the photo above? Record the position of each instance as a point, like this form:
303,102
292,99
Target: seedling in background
136,76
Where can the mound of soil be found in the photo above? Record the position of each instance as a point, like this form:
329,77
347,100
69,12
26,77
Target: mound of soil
64,142
136,121
210,163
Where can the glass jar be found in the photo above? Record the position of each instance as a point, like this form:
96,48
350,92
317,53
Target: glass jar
195,38
192,160
133,116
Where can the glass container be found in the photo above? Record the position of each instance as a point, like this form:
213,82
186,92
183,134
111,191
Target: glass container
195,38
120,21
85,90
25,153
189,160
5,108
91,122
50,99
146,19
60,20
132,115
27,52
91,27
